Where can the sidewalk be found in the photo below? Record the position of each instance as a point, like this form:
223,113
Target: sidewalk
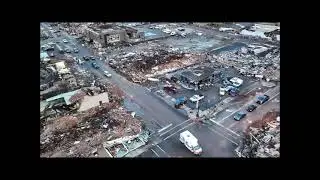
171,101
143,149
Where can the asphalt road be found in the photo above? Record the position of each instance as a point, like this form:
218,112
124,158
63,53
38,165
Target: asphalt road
216,141
213,143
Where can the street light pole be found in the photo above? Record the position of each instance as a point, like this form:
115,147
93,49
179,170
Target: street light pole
197,107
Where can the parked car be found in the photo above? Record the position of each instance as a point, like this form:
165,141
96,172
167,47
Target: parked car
49,48
92,58
86,58
240,115
262,99
51,55
65,41
170,89
233,91
227,82
180,102
106,73
236,82
251,108
196,97
75,50
67,50
174,79
94,65
161,93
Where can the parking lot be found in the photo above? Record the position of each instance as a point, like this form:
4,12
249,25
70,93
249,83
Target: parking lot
211,93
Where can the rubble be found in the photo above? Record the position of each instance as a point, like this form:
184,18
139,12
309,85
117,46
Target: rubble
261,61
122,146
262,138
88,117
87,131
148,64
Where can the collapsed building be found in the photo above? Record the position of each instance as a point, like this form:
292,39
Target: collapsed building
77,123
262,138
254,60
198,77
110,34
56,78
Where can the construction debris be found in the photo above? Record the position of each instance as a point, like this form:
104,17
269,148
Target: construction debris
262,138
260,61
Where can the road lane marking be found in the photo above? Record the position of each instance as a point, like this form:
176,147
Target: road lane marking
221,121
233,124
250,90
224,127
223,136
163,150
179,130
175,127
166,127
155,153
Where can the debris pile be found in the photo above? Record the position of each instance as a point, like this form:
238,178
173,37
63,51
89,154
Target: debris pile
122,146
66,131
254,60
262,138
81,134
140,67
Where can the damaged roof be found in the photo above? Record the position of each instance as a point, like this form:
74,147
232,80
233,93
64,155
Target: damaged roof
65,96
93,101
198,74
44,55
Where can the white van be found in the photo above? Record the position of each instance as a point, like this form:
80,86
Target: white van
106,73
236,82
190,142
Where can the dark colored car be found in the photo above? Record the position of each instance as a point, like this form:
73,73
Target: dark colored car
262,99
94,65
227,82
170,89
92,58
86,58
174,79
234,91
49,48
251,108
239,116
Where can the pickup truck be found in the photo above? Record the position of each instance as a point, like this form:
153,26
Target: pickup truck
262,99
180,102
196,97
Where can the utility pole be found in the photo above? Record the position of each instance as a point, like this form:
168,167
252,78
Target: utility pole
197,107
